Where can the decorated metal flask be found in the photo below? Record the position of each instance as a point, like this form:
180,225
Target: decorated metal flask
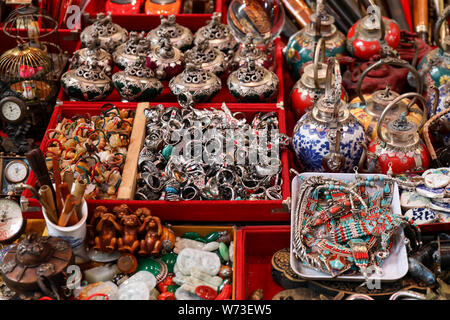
249,49
217,34
88,82
300,47
180,37
435,66
398,147
165,60
126,54
137,82
194,85
367,108
328,138
312,83
111,35
252,83
363,38
93,50
208,58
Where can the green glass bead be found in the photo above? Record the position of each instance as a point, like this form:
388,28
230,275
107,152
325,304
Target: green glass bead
200,239
150,265
212,236
222,261
170,259
223,250
191,235
167,152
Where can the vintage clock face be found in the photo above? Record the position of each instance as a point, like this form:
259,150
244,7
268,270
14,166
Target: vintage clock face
11,220
12,109
16,171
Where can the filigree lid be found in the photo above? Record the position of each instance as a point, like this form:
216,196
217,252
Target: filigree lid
136,39
165,49
139,68
104,25
402,125
321,23
215,30
194,75
201,53
90,71
250,72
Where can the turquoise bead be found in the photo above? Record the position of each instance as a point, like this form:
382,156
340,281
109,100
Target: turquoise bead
381,178
331,187
369,178
167,152
328,197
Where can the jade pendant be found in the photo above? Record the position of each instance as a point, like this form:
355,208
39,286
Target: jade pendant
223,250
191,235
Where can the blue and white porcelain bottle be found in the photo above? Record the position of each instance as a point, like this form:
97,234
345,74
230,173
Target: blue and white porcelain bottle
329,138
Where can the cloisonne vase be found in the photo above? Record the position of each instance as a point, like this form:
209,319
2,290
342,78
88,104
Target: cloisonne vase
368,108
300,48
399,147
328,138
435,66
311,85
363,38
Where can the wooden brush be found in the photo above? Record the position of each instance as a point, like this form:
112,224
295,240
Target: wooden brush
57,180
36,160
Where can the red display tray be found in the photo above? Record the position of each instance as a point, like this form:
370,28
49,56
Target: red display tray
224,94
223,211
255,247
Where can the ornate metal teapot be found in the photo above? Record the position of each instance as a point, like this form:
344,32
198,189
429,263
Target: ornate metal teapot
94,50
399,147
329,138
88,82
111,35
363,38
369,107
252,83
300,48
312,83
217,34
249,49
180,37
137,82
435,66
166,60
126,54
208,58
194,85
29,265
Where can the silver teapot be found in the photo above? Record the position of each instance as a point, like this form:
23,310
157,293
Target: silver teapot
180,37
194,85
111,35
253,83
88,82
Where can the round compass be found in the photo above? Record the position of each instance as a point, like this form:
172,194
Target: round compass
12,222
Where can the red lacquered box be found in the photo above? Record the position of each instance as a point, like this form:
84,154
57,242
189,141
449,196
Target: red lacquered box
255,247
223,211
224,94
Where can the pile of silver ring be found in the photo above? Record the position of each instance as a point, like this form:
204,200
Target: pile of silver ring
173,177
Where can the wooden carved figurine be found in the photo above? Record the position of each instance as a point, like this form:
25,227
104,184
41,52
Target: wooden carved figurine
129,242
107,228
152,244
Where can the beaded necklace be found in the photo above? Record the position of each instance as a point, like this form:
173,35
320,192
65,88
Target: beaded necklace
344,227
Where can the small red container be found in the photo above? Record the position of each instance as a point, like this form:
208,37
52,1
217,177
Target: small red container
223,211
255,247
